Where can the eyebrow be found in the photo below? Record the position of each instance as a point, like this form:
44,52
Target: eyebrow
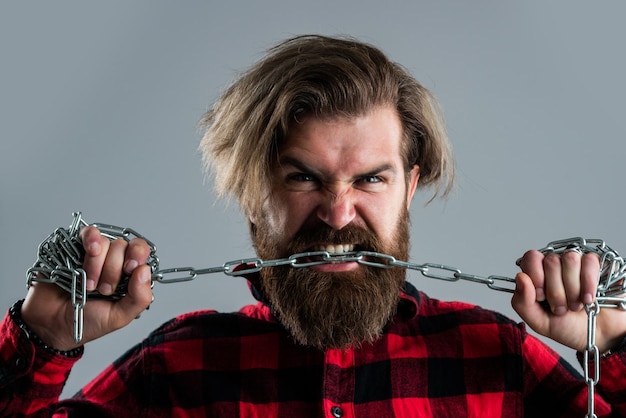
294,162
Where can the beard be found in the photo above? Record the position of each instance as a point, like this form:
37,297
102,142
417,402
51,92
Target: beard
332,309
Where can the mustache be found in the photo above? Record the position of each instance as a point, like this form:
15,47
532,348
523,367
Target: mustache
309,236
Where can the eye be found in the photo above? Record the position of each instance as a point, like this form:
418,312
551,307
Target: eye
301,182
371,183
371,179
301,177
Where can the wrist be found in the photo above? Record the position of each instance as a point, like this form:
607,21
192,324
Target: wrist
15,312
618,347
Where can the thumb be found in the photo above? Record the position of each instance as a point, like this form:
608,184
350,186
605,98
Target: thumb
137,299
525,303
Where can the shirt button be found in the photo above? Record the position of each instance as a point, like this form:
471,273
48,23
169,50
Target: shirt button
20,363
336,411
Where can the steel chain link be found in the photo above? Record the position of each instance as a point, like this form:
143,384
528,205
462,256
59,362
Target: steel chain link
60,256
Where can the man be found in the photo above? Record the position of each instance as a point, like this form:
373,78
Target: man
323,143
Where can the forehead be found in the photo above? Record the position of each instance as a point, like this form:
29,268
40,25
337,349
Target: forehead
363,140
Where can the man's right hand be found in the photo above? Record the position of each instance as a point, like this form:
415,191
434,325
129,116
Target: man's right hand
48,309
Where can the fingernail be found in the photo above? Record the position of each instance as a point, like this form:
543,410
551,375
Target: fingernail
144,276
91,285
576,306
541,296
130,266
94,247
560,310
588,299
105,289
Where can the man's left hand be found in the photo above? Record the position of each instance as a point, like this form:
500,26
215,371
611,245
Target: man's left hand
550,295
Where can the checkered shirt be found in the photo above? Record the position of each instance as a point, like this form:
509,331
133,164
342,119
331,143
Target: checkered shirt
435,359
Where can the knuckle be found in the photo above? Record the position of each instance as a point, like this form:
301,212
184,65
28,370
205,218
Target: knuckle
138,241
552,260
118,244
533,255
591,258
530,259
570,257
140,248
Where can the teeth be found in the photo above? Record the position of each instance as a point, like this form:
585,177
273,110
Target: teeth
335,248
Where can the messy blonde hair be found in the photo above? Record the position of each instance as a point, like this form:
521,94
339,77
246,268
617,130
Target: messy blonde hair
316,76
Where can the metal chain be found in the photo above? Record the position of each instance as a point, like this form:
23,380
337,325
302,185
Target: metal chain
60,258
611,285
591,353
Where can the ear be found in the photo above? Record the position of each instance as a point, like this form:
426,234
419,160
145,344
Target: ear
252,229
252,218
412,179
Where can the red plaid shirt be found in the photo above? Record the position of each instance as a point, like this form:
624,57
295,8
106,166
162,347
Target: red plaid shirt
440,359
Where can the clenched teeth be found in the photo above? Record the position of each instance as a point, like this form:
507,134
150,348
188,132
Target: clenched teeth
335,248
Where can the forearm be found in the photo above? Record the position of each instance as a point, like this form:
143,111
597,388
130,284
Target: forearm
551,384
612,384
31,376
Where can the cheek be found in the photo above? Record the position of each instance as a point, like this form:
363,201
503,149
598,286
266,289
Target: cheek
286,213
381,216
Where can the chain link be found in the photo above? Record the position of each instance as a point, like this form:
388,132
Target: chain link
591,353
60,259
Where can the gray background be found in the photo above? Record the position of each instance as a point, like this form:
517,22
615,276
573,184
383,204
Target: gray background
99,105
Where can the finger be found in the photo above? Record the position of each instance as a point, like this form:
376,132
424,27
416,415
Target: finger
137,254
91,238
96,248
590,271
555,291
112,269
570,267
532,265
137,299
524,302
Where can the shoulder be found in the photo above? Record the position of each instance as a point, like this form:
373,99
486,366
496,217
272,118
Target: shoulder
467,324
427,309
461,312
460,330
206,324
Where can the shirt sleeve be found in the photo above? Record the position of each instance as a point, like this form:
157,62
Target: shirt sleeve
551,383
612,384
31,377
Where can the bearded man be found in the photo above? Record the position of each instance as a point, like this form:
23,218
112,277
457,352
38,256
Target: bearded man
323,143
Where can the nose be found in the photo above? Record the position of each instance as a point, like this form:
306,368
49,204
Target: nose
337,208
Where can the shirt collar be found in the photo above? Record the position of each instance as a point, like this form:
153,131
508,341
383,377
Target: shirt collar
408,306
